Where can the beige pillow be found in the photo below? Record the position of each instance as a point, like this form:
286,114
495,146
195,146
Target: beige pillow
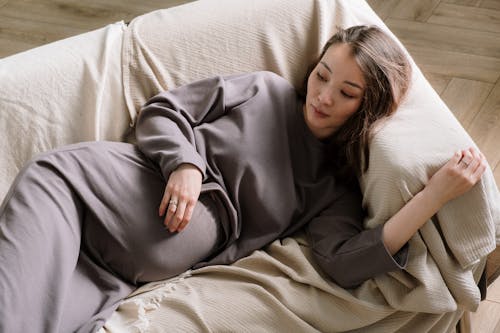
411,147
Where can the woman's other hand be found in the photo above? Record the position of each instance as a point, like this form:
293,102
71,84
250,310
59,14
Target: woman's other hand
457,176
180,196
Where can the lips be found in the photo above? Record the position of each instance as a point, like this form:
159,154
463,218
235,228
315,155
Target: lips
318,112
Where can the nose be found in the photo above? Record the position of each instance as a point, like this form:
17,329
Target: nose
325,97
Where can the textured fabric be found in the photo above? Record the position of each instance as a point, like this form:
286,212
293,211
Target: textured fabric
79,231
279,289
60,93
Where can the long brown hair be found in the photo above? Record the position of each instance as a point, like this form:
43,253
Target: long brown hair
387,74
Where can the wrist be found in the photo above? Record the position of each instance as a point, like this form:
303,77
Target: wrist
431,199
409,219
189,166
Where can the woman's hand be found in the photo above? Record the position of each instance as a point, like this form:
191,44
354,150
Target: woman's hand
457,176
181,194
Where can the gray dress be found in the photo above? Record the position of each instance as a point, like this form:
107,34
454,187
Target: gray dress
79,229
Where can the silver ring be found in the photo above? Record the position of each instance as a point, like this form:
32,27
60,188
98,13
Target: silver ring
466,164
173,202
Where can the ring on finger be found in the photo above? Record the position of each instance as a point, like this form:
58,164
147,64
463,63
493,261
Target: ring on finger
465,163
173,203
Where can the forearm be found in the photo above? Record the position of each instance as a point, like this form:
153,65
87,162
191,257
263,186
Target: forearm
405,223
455,178
346,251
165,136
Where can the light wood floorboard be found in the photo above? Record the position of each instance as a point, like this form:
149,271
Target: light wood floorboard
494,292
485,128
455,64
25,24
481,19
412,11
456,43
485,320
473,3
418,35
465,98
438,81
491,4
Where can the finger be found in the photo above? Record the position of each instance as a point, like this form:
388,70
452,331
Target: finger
164,202
172,208
187,215
466,158
473,150
179,215
481,167
455,159
476,160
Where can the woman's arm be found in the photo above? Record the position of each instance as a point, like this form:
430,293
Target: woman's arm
350,254
166,133
165,125
346,251
455,178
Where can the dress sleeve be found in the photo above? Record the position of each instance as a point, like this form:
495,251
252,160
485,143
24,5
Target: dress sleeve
346,251
165,125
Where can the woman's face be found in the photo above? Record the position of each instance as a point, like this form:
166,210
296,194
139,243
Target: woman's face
335,90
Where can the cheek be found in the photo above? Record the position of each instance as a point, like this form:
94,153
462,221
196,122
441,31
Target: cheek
310,88
350,108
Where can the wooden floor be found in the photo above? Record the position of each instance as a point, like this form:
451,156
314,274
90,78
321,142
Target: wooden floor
455,42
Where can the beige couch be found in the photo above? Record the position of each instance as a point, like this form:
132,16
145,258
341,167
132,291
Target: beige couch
100,79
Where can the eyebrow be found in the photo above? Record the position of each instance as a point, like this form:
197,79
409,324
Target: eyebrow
348,82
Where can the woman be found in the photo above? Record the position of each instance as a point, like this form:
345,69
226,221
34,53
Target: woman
234,162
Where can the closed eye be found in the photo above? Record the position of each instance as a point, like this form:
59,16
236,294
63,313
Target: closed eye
320,77
346,95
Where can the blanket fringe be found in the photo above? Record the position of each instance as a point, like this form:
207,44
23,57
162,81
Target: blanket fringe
161,289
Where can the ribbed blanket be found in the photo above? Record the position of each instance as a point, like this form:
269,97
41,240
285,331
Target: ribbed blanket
278,289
